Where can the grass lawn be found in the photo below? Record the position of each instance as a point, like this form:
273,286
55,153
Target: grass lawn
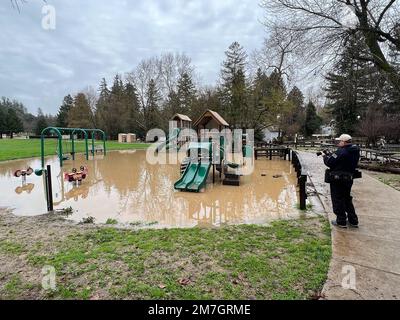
288,260
390,179
11,149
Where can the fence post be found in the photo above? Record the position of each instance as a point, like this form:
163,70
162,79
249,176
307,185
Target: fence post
303,194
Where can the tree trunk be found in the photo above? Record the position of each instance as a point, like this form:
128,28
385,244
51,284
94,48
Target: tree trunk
378,57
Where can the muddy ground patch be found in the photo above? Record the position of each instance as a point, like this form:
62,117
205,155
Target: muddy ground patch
285,260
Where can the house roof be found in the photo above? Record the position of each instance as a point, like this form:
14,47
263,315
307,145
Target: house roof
208,115
181,117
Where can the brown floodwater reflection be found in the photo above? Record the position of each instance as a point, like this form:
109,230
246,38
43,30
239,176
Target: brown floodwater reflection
123,186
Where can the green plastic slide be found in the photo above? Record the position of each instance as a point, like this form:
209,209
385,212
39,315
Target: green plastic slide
187,177
200,179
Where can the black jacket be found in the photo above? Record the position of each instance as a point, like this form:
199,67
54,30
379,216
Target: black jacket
344,159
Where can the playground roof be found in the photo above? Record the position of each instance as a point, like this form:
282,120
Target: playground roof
208,115
181,117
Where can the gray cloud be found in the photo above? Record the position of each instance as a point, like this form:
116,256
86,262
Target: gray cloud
98,38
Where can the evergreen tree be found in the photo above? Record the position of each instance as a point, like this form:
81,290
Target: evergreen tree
80,115
133,109
233,91
294,121
277,82
313,121
13,124
41,123
151,112
186,94
352,86
118,109
102,115
62,115
2,122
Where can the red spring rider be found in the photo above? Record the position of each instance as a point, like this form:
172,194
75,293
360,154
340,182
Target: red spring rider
75,175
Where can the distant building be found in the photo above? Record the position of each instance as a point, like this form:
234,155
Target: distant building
270,134
327,131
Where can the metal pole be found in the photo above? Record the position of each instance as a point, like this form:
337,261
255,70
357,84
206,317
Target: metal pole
42,149
213,173
60,150
86,145
73,145
93,143
104,142
49,191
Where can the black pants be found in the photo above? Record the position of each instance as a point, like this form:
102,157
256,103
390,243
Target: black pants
343,202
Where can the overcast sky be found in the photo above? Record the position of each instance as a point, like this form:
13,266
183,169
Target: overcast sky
99,38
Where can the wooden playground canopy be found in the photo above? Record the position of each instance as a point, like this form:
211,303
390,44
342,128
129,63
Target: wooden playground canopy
182,120
211,120
71,131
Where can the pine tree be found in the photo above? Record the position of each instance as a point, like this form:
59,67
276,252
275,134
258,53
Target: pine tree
352,86
2,122
295,120
41,122
62,115
313,121
133,110
102,107
186,93
151,112
118,109
233,91
13,123
80,115
277,82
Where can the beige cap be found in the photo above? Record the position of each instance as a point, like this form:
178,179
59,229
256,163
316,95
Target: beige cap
345,138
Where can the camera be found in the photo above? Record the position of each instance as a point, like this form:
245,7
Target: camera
325,152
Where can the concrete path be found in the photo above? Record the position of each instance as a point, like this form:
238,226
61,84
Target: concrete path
373,250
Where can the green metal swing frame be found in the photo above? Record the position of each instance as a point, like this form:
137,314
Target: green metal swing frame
71,132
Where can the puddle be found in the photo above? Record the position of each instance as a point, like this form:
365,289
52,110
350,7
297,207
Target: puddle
124,187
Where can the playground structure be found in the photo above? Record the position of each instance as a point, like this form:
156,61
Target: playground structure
72,131
195,169
207,152
182,122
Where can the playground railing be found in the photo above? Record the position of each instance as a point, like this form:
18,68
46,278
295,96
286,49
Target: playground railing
301,172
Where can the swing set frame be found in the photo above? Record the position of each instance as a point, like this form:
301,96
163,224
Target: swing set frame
71,131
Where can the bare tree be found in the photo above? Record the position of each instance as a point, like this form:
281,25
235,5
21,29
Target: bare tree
280,53
165,71
325,25
16,4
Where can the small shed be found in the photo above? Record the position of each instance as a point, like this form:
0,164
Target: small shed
210,120
126,137
183,121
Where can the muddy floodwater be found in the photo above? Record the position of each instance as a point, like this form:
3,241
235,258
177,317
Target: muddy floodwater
124,187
